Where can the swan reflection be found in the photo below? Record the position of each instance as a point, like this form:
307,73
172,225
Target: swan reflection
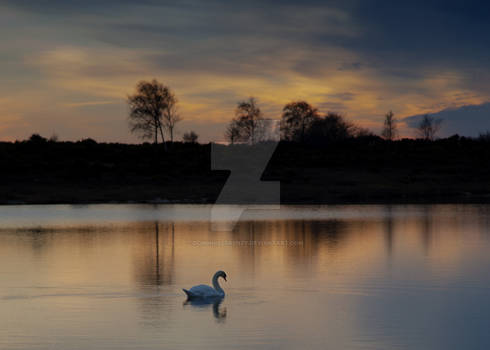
219,313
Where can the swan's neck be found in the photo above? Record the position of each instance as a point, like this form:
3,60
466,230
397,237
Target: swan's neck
216,285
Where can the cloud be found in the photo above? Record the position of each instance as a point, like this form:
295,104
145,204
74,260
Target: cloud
468,120
343,96
70,7
89,103
350,66
332,106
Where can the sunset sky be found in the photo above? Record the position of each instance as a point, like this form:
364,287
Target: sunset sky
67,66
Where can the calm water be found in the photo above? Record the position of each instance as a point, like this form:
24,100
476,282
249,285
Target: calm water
332,277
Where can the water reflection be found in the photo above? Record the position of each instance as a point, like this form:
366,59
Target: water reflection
154,254
154,268
427,229
295,283
218,313
389,230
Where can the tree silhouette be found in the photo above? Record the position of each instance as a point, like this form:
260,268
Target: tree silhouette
147,108
171,115
249,120
390,128
331,128
297,117
38,139
190,137
429,127
232,133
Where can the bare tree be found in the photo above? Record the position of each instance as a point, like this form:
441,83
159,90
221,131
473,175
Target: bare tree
171,115
429,127
249,120
190,137
232,133
297,117
147,107
390,131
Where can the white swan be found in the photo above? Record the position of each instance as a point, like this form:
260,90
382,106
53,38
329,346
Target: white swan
203,291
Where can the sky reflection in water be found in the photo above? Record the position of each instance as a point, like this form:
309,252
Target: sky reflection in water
345,277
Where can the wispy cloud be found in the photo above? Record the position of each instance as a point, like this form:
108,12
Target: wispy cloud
89,103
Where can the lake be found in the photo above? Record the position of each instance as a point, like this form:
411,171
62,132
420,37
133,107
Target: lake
299,277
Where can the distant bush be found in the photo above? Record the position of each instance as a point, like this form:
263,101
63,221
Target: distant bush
88,141
36,138
190,137
485,136
53,138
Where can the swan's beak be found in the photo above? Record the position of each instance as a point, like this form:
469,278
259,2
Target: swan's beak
225,279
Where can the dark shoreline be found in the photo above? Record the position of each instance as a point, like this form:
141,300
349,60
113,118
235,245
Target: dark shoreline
366,170
464,199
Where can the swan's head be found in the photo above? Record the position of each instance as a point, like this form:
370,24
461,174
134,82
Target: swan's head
220,274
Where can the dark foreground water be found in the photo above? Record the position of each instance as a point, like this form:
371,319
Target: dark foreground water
332,277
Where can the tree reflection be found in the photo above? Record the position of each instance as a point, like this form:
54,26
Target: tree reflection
154,265
426,228
388,230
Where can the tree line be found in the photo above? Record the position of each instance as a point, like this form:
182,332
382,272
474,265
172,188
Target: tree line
154,114
301,122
